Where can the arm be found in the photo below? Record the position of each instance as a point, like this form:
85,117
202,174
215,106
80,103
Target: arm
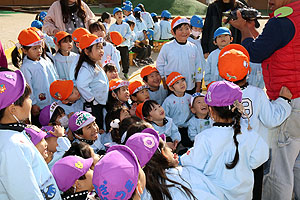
175,135
162,61
192,130
83,80
50,26
198,72
259,154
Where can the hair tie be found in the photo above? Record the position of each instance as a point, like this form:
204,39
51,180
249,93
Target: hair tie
18,45
241,109
115,123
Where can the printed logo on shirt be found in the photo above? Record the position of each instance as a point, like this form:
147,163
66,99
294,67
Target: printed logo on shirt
42,96
49,192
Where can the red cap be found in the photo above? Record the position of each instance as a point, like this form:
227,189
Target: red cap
148,70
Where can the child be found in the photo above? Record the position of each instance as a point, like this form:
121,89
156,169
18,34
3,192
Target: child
138,92
127,10
73,176
105,19
111,70
22,169
146,17
120,174
52,115
152,79
91,80
118,94
165,26
222,38
139,22
155,114
156,27
176,105
67,95
199,121
227,164
64,56
110,52
125,31
181,56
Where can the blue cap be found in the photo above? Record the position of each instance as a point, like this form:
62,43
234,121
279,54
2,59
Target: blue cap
153,14
140,4
137,9
150,34
196,21
37,24
42,15
221,31
127,3
127,7
117,9
165,14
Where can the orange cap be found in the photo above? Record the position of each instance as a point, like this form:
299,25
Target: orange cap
233,62
76,35
89,40
117,83
59,36
38,31
28,37
116,37
61,89
179,20
148,70
138,111
173,77
136,86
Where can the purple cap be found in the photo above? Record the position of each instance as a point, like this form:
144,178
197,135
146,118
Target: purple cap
35,134
80,119
46,113
69,169
144,145
47,130
12,86
116,174
223,93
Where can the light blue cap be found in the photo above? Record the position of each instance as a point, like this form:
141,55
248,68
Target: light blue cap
127,7
166,14
36,24
221,31
196,21
127,3
42,15
117,9
137,9
150,34
153,14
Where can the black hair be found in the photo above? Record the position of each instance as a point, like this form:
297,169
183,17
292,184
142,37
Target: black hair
145,78
155,171
17,58
148,107
137,15
226,6
155,19
226,113
111,115
240,81
96,26
165,18
58,112
104,16
136,127
142,7
179,26
112,101
78,132
71,190
109,67
84,58
65,39
66,10
79,148
130,23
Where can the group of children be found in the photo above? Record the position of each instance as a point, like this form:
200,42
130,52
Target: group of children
96,136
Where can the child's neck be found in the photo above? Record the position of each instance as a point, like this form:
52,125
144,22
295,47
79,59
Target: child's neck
153,89
64,53
119,21
201,116
159,122
179,94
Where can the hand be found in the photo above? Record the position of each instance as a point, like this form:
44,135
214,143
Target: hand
206,55
35,110
175,144
285,92
59,131
101,131
133,109
239,23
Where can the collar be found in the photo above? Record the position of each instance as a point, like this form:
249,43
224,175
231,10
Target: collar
165,121
90,142
221,124
14,126
206,117
244,86
181,43
77,195
193,37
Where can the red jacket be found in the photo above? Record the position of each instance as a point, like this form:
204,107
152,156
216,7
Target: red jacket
282,68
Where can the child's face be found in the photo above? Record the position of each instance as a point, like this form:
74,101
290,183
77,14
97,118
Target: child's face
154,80
24,112
182,33
87,183
75,95
118,16
96,53
132,27
170,156
52,144
59,121
126,13
123,94
124,114
108,21
179,86
66,44
141,96
112,74
222,41
200,107
99,33
42,148
157,113
90,132
197,29
34,53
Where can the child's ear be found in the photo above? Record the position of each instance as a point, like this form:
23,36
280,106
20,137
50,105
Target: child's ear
65,101
231,39
171,88
215,43
86,51
193,110
173,33
114,95
24,50
133,98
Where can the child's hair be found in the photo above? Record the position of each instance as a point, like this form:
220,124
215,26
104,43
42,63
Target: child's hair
58,112
156,177
136,127
112,101
137,15
109,67
141,6
65,39
179,26
71,190
84,58
17,58
111,115
66,10
79,148
155,19
147,108
130,23
96,26
104,16
226,113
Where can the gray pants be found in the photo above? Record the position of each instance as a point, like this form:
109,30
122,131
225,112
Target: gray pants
284,175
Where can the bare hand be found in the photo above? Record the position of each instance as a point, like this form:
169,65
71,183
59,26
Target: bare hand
59,131
133,109
239,23
285,92
35,110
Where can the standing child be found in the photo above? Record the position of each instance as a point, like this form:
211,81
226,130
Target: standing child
152,79
138,92
227,153
177,105
222,38
22,168
64,56
200,121
156,27
91,80
165,26
125,31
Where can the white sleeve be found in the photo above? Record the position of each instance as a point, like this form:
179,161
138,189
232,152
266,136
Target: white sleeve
162,61
192,130
63,144
83,80
198,67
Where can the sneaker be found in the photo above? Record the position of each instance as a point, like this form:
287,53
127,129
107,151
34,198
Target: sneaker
144,62
136,62
149,60
126,75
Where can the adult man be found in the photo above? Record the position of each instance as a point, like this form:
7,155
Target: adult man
277,48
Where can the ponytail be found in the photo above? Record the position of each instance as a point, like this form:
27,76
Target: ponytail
17,58
84,58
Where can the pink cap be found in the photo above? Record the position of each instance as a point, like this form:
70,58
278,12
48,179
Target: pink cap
80,119
46,113
35,134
